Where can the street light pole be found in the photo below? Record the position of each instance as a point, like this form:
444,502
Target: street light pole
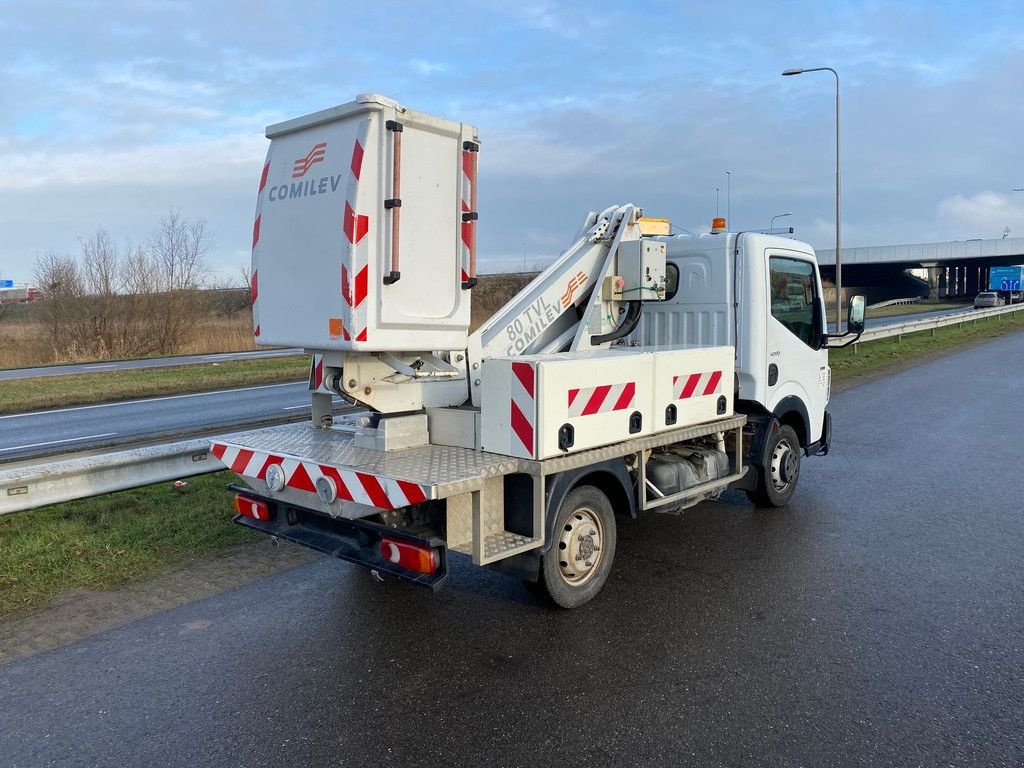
728,198
839,260
778,216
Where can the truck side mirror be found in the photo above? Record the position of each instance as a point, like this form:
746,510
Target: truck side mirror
855,315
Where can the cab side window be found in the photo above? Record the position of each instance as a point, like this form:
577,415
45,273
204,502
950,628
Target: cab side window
794,297
671,281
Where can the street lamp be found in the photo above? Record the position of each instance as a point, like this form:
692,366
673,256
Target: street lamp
728,197
778,216
839,261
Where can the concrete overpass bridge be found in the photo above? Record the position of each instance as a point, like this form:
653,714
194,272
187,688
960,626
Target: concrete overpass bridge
958,268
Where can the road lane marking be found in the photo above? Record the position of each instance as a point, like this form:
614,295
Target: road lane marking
293,407
150,400
57,442
107,365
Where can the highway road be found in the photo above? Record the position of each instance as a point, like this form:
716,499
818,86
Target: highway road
878,322
56,431
877,621
10,374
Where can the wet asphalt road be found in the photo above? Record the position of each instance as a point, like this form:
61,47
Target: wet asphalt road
42,433
877,621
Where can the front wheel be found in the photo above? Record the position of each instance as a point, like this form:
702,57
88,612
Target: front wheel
777,477
576,565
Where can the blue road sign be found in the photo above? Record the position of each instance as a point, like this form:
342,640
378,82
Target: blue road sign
6,283
1005,278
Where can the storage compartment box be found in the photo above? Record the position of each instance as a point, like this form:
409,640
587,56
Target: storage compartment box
539,406
692,386
324,239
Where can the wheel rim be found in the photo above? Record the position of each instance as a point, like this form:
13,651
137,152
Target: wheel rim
580,546
785,466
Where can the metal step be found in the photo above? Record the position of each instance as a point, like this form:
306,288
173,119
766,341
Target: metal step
500,545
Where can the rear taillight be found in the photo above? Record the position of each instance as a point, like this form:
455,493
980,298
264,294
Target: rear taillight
415,557
250,507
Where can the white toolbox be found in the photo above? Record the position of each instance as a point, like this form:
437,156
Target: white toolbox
692,386
539,406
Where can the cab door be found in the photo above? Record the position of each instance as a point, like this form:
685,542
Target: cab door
797,357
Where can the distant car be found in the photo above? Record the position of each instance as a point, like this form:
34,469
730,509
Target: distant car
987,299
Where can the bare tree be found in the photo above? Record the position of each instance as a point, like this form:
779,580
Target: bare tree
129,300
245,274
178,253
102,275
179,249
60,280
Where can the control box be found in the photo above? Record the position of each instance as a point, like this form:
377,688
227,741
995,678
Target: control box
641,265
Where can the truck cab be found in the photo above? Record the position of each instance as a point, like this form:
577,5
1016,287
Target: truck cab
761,294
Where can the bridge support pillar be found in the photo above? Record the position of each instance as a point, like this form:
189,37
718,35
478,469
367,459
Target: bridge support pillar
934,273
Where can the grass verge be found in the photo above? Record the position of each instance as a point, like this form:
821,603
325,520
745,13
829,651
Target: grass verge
110,540
20,395
102,542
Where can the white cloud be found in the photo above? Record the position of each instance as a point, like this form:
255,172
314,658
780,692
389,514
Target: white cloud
427,68
985,215
215,159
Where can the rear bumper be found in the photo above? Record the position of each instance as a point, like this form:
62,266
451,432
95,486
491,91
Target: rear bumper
355,541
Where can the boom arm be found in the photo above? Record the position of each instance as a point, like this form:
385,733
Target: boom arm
560,309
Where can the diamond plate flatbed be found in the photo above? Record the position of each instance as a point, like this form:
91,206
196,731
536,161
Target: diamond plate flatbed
446,470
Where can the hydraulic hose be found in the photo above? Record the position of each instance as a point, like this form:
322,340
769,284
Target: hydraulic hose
629,324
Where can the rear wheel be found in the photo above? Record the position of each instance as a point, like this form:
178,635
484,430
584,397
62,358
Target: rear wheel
778,476
575,567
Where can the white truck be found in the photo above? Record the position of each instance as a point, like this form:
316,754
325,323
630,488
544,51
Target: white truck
640,371
18,293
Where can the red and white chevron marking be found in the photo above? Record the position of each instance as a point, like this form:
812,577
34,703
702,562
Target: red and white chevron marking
355,270
696,385
523,407
254,287
360,487
468,231
316,373
587,401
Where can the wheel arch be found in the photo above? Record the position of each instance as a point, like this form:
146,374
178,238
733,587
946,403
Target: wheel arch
610,477
792,411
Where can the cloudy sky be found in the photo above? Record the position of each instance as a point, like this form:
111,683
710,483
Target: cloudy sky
112,113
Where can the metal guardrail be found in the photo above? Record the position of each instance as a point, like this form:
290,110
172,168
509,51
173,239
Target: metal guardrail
891,302
25,486
931,323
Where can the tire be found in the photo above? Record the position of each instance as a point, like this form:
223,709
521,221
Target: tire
778,475
578,562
